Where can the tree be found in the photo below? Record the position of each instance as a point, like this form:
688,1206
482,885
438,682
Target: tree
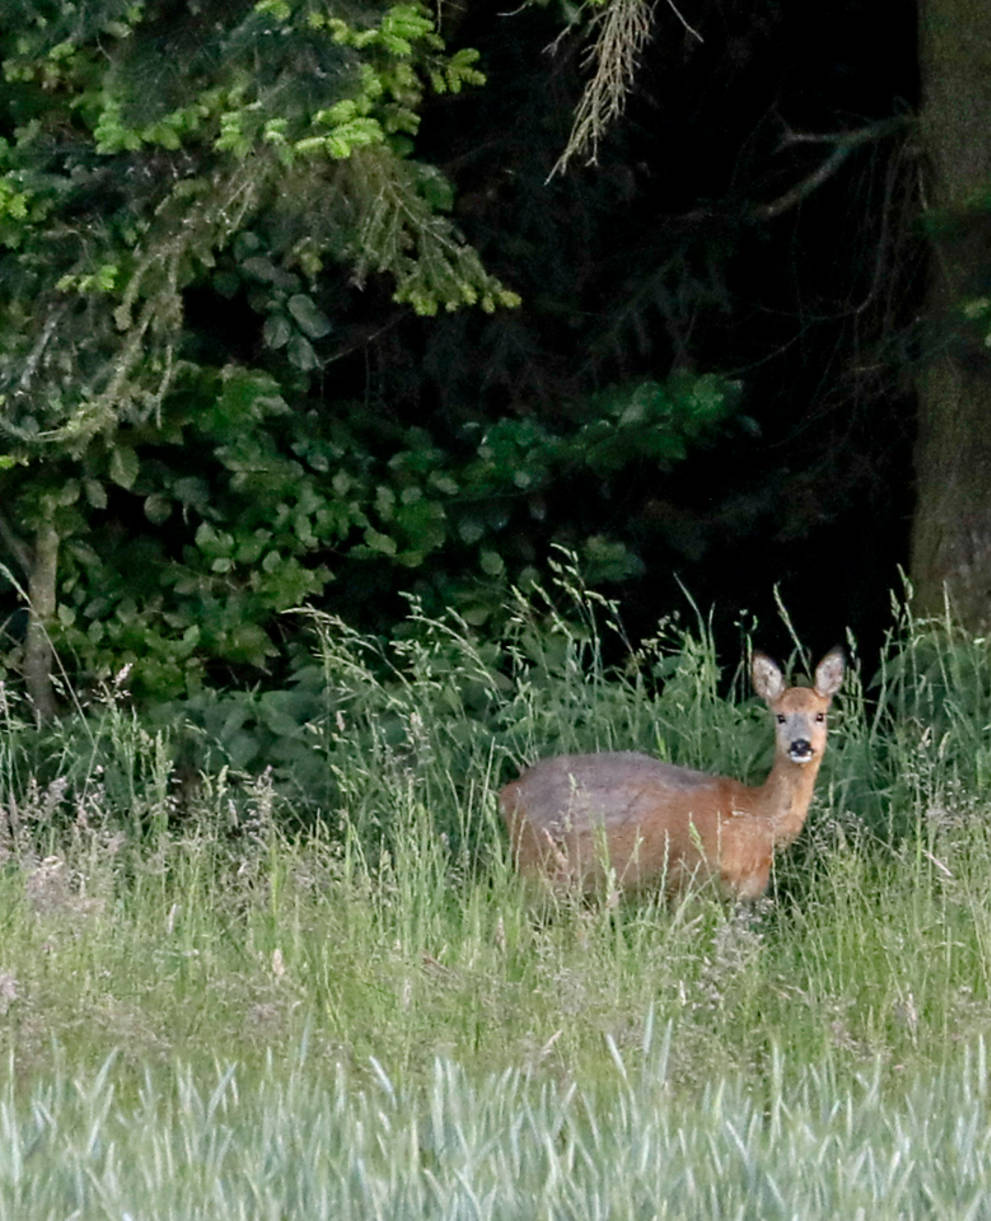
139,141
950,547
201,211
951,536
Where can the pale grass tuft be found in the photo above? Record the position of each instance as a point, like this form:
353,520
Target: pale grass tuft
736,947
8,992
51,889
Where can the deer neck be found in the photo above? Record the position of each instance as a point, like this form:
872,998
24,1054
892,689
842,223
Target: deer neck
785,796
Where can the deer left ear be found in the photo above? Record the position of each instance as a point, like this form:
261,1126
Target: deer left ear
829,673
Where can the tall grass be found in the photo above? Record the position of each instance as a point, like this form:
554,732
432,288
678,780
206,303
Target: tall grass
289,1142
214,1006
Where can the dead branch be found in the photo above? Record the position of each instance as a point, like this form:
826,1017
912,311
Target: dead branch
844,144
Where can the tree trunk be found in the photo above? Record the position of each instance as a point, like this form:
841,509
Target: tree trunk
951,532
38,653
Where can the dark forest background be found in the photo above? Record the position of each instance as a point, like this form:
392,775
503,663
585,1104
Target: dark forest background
655,260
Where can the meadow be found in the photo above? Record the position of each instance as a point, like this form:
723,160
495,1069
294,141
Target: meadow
223,996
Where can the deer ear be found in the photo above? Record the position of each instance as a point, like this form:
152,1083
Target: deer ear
829,673
768,680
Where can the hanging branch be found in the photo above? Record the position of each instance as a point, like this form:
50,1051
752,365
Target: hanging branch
621,30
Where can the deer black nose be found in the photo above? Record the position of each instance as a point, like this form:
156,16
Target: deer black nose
801,748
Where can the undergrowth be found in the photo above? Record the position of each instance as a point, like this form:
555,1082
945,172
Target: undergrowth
220,999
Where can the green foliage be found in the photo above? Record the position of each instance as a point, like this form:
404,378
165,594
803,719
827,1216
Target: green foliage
125,178
157,167
188,539
151,156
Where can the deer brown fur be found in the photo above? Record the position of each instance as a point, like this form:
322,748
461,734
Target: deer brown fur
573,819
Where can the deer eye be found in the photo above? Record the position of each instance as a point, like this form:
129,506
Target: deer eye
820,717
781,719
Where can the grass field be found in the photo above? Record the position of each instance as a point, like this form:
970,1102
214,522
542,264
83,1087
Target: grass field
217,1004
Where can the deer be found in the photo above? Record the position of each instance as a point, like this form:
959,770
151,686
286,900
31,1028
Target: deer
622,817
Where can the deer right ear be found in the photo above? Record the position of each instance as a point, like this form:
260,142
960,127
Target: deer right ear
769,682
829,673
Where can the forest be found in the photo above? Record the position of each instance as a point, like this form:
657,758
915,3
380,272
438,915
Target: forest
339,311
395,394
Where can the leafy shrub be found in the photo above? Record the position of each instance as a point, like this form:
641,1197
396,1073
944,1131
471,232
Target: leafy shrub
185,541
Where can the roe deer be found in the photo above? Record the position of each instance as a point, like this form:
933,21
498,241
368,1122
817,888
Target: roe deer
572,818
